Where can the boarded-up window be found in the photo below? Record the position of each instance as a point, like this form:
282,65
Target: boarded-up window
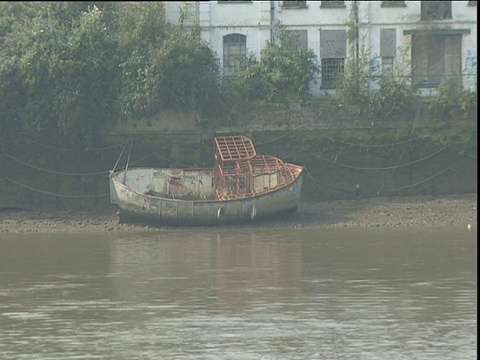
436,10
297,39
434,57
388,47
333,50
234,52
388,42
332,4
333,43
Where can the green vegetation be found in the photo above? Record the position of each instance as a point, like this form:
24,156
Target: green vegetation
390,94
163,66
379,94
56,70
283,73
452,100
69,69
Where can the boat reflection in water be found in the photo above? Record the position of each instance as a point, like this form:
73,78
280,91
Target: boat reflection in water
217,267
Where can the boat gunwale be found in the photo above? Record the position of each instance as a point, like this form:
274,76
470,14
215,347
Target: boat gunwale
115,173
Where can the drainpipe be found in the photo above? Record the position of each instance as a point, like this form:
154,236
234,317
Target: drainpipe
272,19
355,26
197,13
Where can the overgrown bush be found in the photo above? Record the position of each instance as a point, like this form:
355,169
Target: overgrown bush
452,100
283,73
67,68
353,85
384,95
56,61
163,65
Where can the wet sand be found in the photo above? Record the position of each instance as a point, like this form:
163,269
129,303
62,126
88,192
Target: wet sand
453,210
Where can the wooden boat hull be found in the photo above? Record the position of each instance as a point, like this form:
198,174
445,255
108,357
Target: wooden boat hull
202,209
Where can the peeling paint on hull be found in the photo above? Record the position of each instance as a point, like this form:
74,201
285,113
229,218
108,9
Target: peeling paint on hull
186,197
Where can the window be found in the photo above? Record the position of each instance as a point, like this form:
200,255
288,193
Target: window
295,4
435,57
298,39
436,10
472,3
387,64
331,69
332,4
234,52
393,3
333,50
387,48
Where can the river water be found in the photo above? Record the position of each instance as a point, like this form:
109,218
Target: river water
239,293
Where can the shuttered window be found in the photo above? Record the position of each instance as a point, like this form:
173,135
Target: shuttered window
333,50
387,49
435,57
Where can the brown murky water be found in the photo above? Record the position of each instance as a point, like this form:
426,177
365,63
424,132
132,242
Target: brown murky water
240,294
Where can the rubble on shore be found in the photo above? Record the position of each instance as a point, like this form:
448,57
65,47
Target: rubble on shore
453,210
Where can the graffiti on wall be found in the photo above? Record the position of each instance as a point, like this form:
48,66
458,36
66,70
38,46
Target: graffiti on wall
470,66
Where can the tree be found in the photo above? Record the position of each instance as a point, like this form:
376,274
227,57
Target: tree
162,65
68,68
283,73
57,61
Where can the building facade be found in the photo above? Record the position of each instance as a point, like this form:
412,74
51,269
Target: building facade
430,40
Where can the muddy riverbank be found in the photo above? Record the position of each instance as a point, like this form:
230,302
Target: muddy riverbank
454,210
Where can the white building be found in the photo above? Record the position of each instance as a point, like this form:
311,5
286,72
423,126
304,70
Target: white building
433,39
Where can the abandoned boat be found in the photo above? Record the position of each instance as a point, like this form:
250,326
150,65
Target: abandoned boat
242,186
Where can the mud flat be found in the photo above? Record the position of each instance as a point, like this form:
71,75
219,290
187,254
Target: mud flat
453,210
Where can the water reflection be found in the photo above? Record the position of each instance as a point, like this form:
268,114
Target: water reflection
240,294
221,270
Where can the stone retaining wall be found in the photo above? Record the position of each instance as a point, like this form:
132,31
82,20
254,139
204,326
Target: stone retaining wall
340,164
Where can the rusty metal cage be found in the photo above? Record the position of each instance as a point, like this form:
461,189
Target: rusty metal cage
240,172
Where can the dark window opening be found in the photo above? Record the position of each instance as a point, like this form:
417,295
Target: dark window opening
436,10
294,4
234,53
393,3
332,4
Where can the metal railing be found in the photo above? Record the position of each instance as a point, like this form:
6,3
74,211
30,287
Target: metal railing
425,85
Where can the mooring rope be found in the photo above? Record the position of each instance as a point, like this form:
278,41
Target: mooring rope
315,181
54,193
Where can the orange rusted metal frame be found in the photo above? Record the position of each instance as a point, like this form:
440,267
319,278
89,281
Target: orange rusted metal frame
237,165
233,148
